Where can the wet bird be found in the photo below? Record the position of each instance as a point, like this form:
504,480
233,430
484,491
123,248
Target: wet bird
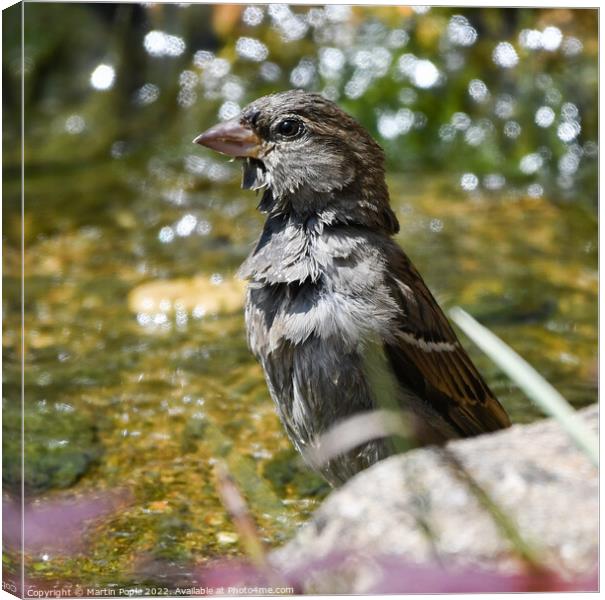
338,316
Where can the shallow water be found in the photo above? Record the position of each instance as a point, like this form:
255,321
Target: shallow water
149,401
138,379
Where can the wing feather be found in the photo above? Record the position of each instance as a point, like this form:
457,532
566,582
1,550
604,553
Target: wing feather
427,357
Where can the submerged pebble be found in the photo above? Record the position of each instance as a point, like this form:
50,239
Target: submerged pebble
199,296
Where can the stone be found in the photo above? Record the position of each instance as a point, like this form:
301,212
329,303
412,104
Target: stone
198,295
420,506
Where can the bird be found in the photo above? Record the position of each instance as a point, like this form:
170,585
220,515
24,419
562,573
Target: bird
339,318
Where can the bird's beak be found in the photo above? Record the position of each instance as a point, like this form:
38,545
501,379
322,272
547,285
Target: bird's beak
230,138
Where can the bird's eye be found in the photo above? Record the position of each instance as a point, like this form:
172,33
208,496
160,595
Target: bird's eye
289,127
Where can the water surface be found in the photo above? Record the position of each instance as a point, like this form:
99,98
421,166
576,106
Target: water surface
148,401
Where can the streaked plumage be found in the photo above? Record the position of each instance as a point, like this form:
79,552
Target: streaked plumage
336,313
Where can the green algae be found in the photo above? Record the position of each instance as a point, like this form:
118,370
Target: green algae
60,445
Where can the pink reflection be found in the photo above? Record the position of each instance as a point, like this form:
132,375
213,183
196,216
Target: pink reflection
56,524
390,575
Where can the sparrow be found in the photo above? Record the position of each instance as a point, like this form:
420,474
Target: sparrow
338,316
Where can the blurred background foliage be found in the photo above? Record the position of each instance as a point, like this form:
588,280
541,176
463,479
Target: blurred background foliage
137,372
502,95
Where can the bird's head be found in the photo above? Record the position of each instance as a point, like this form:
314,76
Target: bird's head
309,155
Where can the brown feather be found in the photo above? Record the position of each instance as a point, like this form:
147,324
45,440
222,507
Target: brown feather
429,359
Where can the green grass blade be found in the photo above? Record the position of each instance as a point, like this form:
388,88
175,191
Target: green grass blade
530,381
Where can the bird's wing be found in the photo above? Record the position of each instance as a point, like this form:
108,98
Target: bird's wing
428,359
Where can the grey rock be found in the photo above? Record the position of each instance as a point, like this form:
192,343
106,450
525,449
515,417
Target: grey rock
418,506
